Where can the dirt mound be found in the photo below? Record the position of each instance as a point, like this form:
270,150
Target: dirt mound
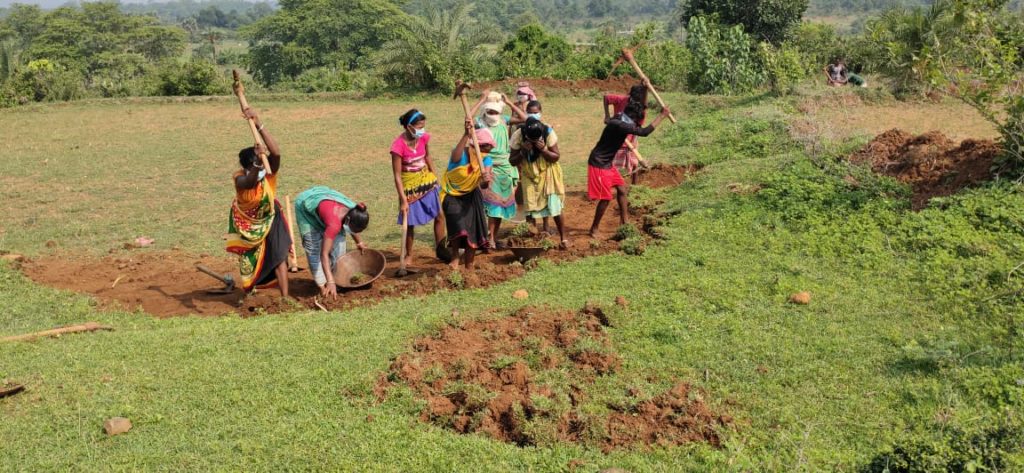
931,163
614,84
666,175
167,283
523,379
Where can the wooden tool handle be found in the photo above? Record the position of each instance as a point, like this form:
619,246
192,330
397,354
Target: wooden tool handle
640,72
212,273
86,327
632,148
293,262
472,137
244,104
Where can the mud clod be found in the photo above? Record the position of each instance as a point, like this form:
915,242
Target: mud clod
932,164
494,377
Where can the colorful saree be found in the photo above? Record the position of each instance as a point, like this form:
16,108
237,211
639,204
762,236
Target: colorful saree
260,240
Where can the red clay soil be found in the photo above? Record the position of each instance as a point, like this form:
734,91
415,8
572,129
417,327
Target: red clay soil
614,84
931,163
483,377
167,284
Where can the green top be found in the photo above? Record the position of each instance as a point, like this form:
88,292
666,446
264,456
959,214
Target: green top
306,203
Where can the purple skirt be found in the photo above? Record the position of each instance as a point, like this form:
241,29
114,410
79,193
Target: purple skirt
423,211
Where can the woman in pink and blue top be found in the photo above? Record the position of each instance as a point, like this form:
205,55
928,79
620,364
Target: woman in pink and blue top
415,180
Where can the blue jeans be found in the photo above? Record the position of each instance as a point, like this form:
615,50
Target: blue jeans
312,243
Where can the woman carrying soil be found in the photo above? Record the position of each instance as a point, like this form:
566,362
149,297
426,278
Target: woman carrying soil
325,216
416,180
500,197
461,198
535,151
602,177
257,231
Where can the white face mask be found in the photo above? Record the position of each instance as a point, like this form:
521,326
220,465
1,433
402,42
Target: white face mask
492,120
534,115
262,174
523,98
418,132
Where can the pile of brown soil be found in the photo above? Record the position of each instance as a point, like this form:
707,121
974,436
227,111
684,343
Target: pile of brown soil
167,283
931,163
523,379
666,175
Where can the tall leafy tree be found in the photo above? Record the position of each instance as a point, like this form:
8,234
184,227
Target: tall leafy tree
306,34
768,20
434,50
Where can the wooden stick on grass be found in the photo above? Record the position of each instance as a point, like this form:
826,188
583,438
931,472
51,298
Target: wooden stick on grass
86,327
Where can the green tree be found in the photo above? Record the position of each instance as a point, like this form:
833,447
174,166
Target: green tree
907,44
533,52
768,20
431,52
722,59
305,34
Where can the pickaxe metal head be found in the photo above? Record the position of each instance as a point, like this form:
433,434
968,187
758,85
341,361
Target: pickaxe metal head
227,279
627,54
461,88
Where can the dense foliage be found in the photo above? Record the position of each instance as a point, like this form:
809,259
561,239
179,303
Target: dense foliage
95,49
768,20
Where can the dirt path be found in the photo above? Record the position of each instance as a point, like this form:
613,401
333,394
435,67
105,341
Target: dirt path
167,284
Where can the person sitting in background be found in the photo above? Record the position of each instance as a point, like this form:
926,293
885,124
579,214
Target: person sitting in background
324,217
837,74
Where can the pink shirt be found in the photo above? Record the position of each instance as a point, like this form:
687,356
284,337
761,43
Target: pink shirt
328,211
412,159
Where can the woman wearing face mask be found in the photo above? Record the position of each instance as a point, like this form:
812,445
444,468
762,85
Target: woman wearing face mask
500,196
524,96
257,233
325,216
461,197
415,179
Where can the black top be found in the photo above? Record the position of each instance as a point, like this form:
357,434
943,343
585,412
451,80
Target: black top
612,138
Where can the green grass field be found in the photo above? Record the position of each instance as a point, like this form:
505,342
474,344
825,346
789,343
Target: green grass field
908,356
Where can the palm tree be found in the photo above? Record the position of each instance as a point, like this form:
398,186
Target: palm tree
436,49
910,42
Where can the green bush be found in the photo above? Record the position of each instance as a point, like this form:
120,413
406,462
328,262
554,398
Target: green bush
783,68
191,78
43,80
722,59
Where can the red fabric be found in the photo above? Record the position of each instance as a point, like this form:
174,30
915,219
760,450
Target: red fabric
328,210
600,182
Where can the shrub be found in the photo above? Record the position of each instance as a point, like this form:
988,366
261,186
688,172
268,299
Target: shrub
782,67
722,59
196,77
43,80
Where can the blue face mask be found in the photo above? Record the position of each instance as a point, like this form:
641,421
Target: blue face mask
419,132
534,115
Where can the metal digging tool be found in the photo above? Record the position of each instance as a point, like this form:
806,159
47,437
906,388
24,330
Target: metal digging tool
229,282
627,55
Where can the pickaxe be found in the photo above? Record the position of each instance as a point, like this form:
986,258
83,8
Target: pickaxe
229,282
240,92
460,93
627,55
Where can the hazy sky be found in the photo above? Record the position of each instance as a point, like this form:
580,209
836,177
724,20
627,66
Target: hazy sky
57,3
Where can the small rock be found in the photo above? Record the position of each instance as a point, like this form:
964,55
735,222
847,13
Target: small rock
117,426
802,298
50,243
13,258
520,294
621,302
370,418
